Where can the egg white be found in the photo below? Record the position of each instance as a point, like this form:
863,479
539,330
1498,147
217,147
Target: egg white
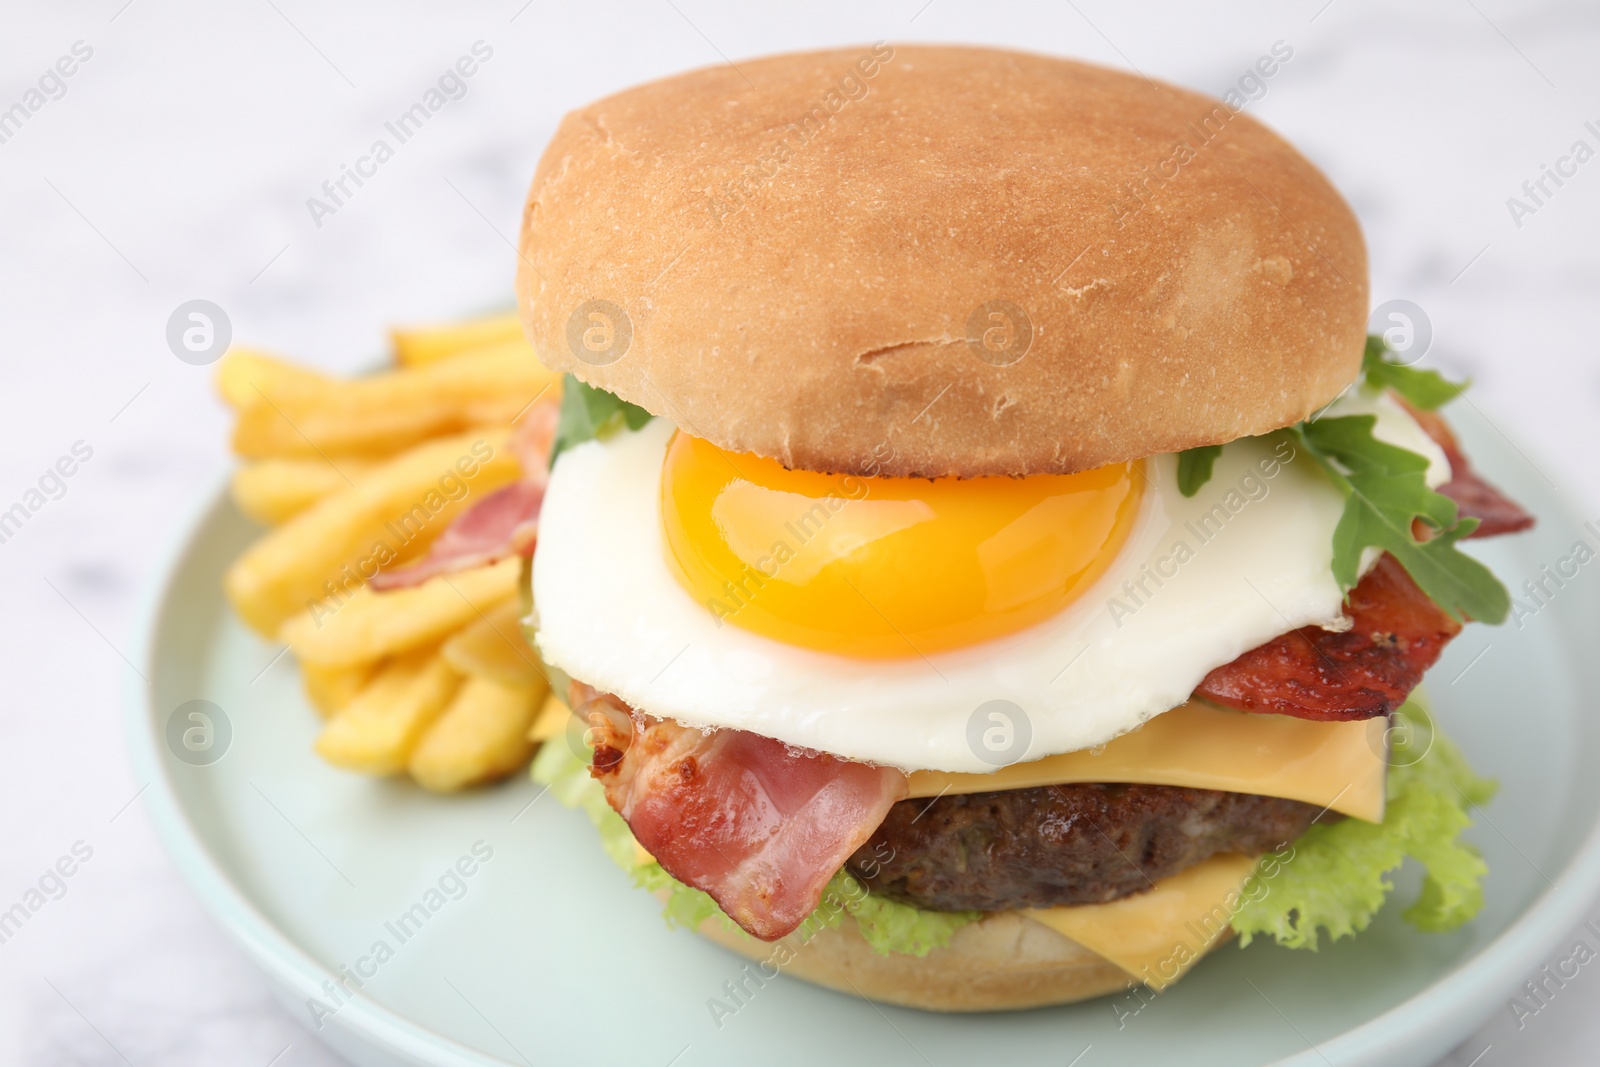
1131,647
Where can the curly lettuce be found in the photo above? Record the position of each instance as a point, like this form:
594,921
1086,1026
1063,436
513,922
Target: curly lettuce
1335,877
886,925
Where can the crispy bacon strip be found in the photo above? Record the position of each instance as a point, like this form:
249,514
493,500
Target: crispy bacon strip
1475,498
752,822
1369,670
1398,632
504,523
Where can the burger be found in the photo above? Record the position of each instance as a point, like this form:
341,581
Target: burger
988,560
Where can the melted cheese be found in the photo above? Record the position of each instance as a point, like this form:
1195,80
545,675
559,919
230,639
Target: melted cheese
1158,935
1336,765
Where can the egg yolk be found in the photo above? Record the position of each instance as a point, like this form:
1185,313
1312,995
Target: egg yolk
885,567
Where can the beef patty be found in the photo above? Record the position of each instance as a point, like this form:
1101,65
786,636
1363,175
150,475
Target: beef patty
1062,844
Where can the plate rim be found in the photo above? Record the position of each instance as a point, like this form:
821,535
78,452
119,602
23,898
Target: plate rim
285,963
1466,991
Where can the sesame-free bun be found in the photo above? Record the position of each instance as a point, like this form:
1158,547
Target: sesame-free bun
916,260
1003,962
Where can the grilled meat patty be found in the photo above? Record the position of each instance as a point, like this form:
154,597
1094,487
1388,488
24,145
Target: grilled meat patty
1064,844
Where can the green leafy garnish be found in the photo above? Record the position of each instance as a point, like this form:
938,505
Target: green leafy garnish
888,926
588,413
1194,467
1384,491
1335,877
1425,389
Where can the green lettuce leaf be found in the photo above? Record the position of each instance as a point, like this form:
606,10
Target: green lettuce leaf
887,925
588,413
1385,489
1194,467
1335,877
1425,389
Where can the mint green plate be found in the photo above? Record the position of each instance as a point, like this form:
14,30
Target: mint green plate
545,953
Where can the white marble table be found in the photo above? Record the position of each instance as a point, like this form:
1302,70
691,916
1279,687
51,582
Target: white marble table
175,163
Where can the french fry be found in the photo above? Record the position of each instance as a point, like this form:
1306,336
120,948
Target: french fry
493,646
245,375
368,625
321,555
273,491
419,345
331,689
388,412
482,735
378,730
551,721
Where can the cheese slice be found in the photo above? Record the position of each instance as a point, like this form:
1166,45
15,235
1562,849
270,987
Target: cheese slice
1336,765
1159,934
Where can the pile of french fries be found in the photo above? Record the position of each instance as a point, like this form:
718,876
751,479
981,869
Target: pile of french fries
436,681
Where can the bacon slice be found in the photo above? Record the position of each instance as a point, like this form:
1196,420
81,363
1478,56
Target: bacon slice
504,523
757,825
1397,631
1368,670
1476,498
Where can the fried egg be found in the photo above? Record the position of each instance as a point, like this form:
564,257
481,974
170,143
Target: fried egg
885,619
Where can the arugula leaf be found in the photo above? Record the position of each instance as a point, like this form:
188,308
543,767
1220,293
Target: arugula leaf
1194,467
1425,389
1335,877
588,413
1384,491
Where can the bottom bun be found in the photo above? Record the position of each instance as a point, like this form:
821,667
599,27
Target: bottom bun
1003,962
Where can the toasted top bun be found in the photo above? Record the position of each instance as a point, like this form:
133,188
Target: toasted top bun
941,261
